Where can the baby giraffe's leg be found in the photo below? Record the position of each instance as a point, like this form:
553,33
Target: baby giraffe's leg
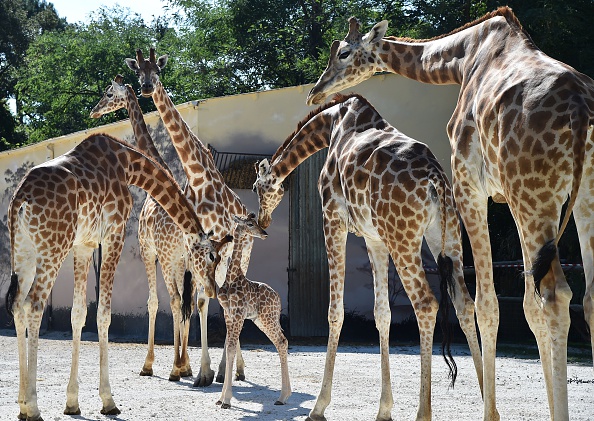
270,325
234,324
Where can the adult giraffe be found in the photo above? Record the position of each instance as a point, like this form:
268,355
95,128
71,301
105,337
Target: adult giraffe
80,201
389,189
161,240
518,134
213,199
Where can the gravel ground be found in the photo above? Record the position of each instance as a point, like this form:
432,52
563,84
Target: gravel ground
355,394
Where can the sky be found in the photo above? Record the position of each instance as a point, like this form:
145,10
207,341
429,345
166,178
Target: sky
78,10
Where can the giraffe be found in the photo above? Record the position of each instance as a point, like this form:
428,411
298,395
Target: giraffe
518,135
242,298
160,240
389,189
214,201
80,201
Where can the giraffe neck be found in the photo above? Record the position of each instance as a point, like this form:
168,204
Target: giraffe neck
157,182
195,157
240,240
451,58
143,137
313,136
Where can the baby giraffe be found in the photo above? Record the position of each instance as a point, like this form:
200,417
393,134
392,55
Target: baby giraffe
244,299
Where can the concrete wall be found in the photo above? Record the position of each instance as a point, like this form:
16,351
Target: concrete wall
249,123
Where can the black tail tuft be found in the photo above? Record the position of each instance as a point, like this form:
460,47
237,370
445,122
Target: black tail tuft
542,263
187,296
445,266
11,294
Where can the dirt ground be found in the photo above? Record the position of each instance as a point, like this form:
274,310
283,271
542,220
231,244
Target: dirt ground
520,386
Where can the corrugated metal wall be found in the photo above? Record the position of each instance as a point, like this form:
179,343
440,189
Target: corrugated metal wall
308,262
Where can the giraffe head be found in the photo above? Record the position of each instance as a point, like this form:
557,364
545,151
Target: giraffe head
351,61
204,257
248,226
147,70
113,99
270,192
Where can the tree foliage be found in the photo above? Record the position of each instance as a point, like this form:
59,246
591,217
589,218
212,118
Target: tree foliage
56,71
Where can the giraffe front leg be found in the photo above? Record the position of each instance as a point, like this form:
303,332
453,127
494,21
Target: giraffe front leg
150,266
335,238
78,315
234,326
206,374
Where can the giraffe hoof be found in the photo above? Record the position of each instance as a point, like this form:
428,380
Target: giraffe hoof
37,418
220,378
279,403
225,405
72,410
112,411
203,381
174,378
22,416
146,372
218,403
187,373
240,376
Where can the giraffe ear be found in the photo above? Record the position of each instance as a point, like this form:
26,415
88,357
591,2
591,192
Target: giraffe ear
376,33
132,64
263,167
162,61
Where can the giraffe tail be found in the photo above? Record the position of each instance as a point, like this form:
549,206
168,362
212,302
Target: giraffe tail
445,267
579,123
187,296
11,294
16,203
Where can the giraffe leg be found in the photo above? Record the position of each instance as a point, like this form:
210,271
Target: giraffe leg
34,315
335,247
206,374
26,274
412,275
239,363
378,257
149,258
112,250
173,272
185,369
472,206
78,315
269,323
582,213
234,325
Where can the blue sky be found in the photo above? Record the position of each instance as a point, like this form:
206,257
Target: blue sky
78,10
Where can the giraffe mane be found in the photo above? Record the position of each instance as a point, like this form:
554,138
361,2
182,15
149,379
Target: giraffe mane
336,99
504,11
134,148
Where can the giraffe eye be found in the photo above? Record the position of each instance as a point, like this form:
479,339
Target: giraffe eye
344,55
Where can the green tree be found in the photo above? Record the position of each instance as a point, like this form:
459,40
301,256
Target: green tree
66,72
22,21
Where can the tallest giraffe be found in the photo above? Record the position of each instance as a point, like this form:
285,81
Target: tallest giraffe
520,133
